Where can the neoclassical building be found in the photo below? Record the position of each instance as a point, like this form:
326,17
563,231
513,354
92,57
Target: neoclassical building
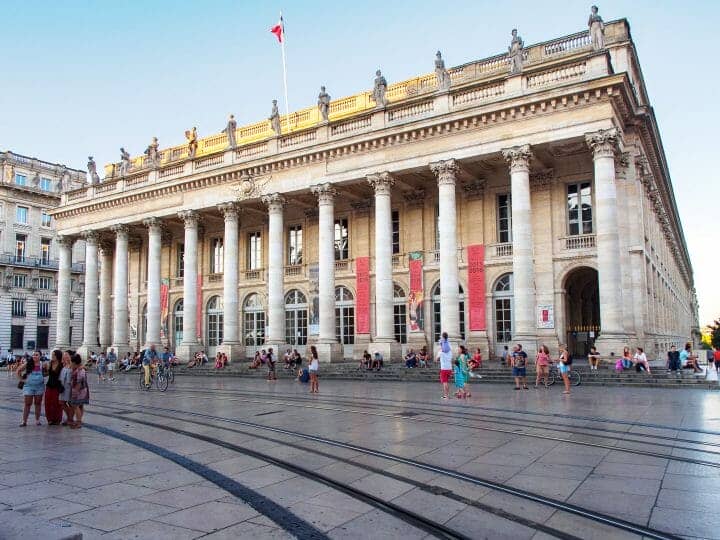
520,198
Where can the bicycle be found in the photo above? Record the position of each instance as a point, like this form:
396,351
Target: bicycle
554,375
159,379
168,371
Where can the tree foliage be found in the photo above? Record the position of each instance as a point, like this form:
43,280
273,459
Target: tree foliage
713,332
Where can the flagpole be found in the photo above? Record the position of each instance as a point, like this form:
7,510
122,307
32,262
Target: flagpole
282,48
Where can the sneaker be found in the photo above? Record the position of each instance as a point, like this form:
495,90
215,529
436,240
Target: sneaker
444,397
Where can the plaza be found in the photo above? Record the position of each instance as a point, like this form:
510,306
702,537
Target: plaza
642,456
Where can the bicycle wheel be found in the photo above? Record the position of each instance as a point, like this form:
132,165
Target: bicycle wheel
574,378
550,380
162,382
170,375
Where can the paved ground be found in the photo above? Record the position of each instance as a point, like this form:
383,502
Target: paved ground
654,463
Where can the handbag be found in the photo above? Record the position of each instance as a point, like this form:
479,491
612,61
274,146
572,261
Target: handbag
21,385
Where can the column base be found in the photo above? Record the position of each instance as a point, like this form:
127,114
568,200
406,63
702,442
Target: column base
185,352
234,350
329,351
611,343
391,350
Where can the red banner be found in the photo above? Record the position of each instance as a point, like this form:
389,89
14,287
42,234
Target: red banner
415,297
164,307
476,286
198,310
362,297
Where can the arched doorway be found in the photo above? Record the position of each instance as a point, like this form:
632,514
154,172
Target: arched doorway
503,312
253,324
400,322
436,312
296,319
582,309
214,324
345,320
178,323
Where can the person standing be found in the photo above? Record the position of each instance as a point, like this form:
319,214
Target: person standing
461,372
313,369
149,358
716,359
272,376
53,389
111,363
519,367
564,367
446,366
79,391
101,366
674,360
30,373
542,365
66,382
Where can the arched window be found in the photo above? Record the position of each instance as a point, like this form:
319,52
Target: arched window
400,322
214,321
296,318
503,309
436,312
344,316
178,322
253,321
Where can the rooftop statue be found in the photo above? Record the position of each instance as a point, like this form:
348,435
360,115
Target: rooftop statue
230,130
379,89
124,162
515,53
275,118
153,152
324,104
442,75
191,136
597,29
35,180
63,183
92,171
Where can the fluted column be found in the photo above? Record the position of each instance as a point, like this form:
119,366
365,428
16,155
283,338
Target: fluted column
90,311
189,341
106,266
230,274
603,144
524,326
328,348
120,290
154,226
276,297
446,172
384,331
62,332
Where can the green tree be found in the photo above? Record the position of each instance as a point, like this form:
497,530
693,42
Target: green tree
713,331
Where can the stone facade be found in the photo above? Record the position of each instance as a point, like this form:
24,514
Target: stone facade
533,207
30,189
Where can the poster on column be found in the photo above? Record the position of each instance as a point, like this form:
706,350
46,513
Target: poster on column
476,286
546,316
415,316
362,298
314,300
198,309
164,307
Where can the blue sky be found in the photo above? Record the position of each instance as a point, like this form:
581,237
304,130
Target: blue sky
86,77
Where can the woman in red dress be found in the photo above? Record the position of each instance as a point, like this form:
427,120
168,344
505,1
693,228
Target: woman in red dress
53,388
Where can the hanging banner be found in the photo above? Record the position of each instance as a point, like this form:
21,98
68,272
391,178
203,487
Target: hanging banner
198,309
415,317
476,286
164,307
362,297
314,286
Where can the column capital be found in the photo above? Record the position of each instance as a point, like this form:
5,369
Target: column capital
91,237
153,224
189,217
518,157
324,192
603,143
229,210
381,182
64,240
275,202
121,231
446,171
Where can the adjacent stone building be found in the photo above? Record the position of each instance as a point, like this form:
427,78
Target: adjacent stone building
30,190
521,198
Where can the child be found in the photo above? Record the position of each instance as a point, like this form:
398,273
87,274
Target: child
461,372
79,391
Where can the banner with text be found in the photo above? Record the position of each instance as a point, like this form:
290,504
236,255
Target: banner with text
198,310
476,286
362,297
415,313
164,307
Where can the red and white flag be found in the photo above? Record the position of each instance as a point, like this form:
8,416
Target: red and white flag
279,30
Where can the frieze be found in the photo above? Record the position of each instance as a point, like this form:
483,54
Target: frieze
414,198
474,189
542,179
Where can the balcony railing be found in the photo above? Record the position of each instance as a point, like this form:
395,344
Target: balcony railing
47,315
344,265
253,275
293,270
176,282
214,278
581,241
18,313
504,249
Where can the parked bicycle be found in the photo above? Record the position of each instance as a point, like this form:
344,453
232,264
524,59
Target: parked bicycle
555,375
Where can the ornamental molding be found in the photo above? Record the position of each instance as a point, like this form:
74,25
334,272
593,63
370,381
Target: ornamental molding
518,157
275,202
382,183
121,231
190,217
603,143
446,171
153,224
474,189
250,187
542,179
325,193
64,240
414,198
229,210
91,237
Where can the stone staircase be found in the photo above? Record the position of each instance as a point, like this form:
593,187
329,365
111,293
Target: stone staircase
492,372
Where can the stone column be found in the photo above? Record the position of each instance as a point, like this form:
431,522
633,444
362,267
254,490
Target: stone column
275,335
154,226
384,341
446,172
189,345
524,330
230,345
612,338
90,310
120,291
328,348
106,266
62,332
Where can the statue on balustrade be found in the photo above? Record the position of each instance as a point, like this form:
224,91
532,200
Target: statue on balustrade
191,136
275,118
324,104
124,162
379,89
62,174
153,152
35,181
442,75
92,171
230,131
515,53
597,29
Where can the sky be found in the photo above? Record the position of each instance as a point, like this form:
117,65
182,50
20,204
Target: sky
84,78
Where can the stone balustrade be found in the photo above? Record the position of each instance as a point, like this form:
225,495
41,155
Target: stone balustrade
582,241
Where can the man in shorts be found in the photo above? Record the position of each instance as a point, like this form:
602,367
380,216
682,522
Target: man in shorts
445,358
111,362
716,359
519,367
